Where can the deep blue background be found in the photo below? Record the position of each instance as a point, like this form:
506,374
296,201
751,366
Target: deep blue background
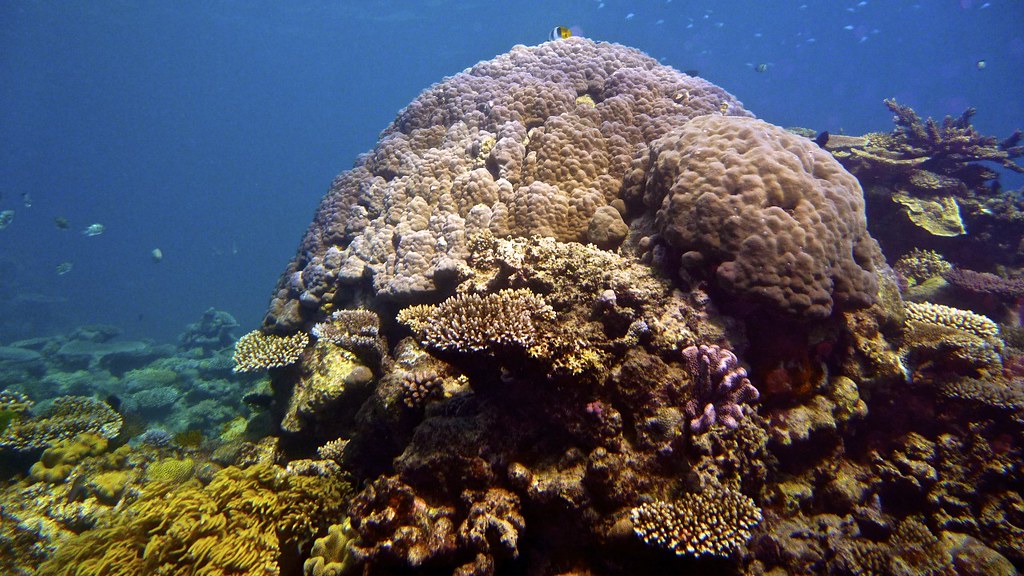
211,129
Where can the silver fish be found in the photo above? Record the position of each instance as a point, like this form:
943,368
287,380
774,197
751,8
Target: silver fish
94,230
6,217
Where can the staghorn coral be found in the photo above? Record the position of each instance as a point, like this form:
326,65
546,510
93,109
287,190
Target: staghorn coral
65,418
952,146
503,147
918,265
239,523
258,351
720,385
777,219
714,523
479,323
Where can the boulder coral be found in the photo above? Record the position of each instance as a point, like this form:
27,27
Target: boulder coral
502,147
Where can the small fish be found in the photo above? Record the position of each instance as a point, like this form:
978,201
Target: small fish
26,199
848,27
822,139
560,33
980,64
61,223
64,267
694,73
6,217
94,230
630,16
762,67
156,255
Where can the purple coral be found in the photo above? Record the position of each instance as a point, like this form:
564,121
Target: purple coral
720,385
985,283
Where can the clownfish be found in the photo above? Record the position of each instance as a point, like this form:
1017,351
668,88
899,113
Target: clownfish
560,33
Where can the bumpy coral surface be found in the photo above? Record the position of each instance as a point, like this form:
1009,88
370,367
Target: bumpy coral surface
504,146
782,220
539,271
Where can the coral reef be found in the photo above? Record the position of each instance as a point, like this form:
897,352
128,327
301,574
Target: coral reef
479,323
243,522
919,266
502,147
935,175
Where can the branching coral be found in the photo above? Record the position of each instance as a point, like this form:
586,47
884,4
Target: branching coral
719,386
918,265
355,330
479,323
714,523
953,143
65,418
258,351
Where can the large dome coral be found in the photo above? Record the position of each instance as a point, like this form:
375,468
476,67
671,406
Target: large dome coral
536,141
779,218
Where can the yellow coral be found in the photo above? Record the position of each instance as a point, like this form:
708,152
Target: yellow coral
940,217
171,470
109,486
59,460
259,351
238,524
920,265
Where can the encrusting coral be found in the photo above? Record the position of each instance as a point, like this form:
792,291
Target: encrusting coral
258,351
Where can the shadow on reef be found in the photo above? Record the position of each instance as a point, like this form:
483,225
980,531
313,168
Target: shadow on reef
579,313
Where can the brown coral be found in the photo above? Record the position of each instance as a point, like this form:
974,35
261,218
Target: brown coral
503,147
779,221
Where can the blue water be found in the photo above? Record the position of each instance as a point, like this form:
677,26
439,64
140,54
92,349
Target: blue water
210,130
